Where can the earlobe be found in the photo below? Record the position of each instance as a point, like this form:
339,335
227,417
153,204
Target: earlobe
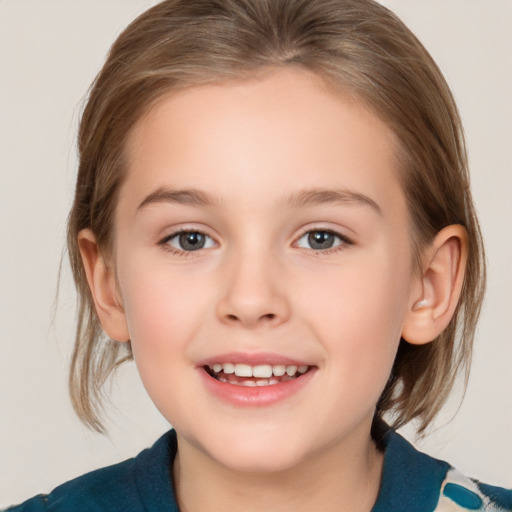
103,286
435,298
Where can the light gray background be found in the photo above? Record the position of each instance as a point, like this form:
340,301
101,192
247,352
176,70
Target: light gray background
49,53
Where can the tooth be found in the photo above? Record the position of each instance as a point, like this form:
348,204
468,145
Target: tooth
271,382
228,368
243,370
249,383
262,382
263,371
217,367
302,369
291,370
279,370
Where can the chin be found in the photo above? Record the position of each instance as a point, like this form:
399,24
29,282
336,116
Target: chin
256,450
260,458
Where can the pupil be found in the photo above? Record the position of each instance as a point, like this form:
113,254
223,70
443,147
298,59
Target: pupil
321,240
192,241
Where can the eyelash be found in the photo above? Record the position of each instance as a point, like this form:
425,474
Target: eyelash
179,252
344,241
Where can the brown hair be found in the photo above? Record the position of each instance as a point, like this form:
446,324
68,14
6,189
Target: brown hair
356,45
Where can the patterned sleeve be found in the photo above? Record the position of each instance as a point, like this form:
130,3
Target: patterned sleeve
460,493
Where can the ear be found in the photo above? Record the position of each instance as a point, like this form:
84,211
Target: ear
437,291
102,283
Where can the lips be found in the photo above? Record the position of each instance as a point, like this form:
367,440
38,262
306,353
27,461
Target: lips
255,380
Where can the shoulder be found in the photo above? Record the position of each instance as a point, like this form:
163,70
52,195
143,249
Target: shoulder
127,486
415,481
95,491
459,492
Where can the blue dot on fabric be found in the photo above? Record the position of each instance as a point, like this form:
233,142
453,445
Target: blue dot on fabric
462,496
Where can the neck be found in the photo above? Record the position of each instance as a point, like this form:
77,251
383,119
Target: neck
342,478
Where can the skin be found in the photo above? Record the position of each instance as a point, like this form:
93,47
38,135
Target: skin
259,287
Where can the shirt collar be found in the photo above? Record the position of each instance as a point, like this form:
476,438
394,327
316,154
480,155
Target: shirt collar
411,480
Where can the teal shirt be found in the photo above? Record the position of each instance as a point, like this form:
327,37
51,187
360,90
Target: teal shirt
411,482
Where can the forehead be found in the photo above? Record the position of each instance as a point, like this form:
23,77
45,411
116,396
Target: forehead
280,132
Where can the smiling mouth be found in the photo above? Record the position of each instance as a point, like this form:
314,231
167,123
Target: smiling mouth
240,374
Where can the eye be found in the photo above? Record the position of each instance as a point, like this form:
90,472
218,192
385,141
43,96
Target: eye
321,240
189,241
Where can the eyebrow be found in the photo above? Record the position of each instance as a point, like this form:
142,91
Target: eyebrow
314,197
190,196
302,198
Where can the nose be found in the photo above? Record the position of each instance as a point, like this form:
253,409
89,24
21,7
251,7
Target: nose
253,293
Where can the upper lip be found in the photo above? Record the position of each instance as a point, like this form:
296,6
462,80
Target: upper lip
253,359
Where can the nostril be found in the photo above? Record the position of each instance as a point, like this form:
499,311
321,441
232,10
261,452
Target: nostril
268,316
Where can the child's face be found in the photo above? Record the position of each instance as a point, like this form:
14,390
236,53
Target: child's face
299,255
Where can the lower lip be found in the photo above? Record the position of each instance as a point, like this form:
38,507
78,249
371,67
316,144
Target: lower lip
259,396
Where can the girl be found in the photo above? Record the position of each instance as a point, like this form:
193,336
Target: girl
272,217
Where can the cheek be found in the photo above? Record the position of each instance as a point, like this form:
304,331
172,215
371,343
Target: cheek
162,309
360,313
163,312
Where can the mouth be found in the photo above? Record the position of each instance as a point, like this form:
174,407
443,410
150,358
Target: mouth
242,374
255,380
